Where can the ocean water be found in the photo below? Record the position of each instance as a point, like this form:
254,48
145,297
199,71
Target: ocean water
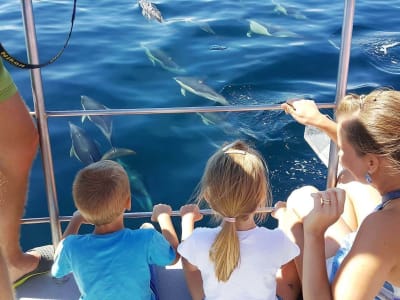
106,60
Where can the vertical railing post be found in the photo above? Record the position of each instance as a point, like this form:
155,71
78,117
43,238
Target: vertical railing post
341,83
38,100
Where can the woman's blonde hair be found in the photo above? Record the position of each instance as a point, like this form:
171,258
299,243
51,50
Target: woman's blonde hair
376,128
234,184
349,105
101,191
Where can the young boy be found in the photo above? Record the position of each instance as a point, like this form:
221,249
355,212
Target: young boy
113,262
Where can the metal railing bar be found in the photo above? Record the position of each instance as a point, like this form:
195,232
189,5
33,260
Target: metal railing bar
171,110
39,103
341,82
133,215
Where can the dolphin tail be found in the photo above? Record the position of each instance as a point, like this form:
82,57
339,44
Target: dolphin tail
117,152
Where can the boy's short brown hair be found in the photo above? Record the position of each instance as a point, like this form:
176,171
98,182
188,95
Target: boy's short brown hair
100,191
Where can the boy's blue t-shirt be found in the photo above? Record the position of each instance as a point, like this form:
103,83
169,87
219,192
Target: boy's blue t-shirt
113,266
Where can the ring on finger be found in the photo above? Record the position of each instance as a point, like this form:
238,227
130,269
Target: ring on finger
326,201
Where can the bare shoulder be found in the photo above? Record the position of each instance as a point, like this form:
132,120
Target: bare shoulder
379,231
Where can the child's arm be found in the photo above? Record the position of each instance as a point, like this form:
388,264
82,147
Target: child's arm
162,215
190,214
194,280
73,226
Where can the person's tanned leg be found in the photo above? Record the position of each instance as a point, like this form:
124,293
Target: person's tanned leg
18,147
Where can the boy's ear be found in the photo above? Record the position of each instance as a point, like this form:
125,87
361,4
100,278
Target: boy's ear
128,203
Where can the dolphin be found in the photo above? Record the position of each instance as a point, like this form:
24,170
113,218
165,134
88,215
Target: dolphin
163,59
104,123
85,149
150,11
257,27
288,11
221,120
138,187
202,25
117,152
197,87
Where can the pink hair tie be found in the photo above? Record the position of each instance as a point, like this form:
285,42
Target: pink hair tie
230,220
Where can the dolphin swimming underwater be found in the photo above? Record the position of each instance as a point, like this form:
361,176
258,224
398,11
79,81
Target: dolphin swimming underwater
86,150
104,123
150,11
197,87
288,11
140,193
83,147
164,60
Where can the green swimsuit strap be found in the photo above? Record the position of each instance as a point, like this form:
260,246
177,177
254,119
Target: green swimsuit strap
7,85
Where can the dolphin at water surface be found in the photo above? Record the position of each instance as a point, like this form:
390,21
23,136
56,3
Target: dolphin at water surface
259,28
150,11
197,87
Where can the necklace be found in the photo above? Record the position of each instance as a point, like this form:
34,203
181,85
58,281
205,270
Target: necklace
389,197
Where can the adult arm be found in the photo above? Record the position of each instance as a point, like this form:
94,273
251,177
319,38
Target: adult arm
306,112
315,278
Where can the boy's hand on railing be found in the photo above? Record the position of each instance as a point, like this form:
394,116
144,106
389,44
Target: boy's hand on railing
191,212
160,210
78,218
73,226
162,215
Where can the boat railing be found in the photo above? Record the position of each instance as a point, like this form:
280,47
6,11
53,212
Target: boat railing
42,115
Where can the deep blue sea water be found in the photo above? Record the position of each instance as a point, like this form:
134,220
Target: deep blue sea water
106,61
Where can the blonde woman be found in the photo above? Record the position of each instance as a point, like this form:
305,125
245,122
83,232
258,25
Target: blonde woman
238,259
367,264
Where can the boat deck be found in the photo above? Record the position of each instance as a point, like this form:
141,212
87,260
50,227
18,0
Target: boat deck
170,283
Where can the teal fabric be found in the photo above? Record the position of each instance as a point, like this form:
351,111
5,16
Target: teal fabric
113,266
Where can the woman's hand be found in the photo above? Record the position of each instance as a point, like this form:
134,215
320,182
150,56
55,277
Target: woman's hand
305,112
328,207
